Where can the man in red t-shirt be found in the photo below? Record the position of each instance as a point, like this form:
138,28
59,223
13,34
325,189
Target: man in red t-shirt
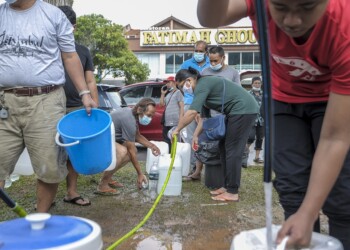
310,55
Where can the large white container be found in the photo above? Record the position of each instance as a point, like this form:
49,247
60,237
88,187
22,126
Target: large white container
164,149
256,240
175,182
24,165
184,150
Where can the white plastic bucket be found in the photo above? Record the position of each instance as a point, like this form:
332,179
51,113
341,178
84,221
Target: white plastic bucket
164,149
174,186
184,150
24,165
256,240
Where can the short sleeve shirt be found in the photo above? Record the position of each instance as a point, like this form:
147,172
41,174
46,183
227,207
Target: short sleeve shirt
172,111
228,72
73,98
125,124
31,43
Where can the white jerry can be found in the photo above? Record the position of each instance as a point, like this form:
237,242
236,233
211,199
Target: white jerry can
175,182
184,150
164,149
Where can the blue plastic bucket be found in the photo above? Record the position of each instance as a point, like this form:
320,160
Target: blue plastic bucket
87,140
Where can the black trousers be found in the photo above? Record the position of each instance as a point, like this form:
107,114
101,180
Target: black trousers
297,132
232,147
257,132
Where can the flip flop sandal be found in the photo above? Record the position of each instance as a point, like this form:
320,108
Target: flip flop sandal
217,193
190,178
115,184
258,160
75,200
215,198
108,192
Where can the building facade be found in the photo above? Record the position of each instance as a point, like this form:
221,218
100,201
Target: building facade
166,45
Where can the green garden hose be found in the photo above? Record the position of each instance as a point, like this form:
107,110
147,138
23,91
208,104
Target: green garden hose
150,212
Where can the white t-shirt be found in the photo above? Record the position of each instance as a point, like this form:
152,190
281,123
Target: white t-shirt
31,42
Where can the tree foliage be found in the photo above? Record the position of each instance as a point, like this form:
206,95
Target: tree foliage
109,49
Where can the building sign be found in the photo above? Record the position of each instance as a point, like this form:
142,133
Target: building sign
227,36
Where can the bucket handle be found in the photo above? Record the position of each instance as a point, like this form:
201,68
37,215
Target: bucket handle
57,139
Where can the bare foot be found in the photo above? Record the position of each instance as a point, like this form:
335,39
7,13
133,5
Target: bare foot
218,191
226,197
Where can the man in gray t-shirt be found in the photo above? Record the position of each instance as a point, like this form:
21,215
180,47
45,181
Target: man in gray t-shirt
36,43
218,66
127,132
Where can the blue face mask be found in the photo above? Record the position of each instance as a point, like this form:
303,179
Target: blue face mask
145,120
11,1
187,88
198,57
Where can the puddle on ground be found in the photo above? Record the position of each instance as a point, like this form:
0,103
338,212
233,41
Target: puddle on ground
147,240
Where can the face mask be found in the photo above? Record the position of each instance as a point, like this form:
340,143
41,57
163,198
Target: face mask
145,120
256,89
170,89
187,88
216,67
198,57
11,1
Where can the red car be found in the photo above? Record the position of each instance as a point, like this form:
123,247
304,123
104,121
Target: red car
134,92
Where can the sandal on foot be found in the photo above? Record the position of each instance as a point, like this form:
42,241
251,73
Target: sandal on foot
75,200
217,192
216,198
108,192
191,178
115,184
258,160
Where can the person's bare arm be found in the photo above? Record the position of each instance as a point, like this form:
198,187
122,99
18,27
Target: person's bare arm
132,151
91,84
143,140
188,117
74,69
216,13
328,160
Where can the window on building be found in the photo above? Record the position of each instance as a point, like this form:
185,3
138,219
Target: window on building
245,60
174,61
152,60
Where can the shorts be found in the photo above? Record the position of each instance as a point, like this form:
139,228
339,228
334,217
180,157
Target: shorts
32,123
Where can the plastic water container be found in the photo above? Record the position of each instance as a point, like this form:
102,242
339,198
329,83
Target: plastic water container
174,186
256,240
24,165
58,233
88,140
184,150
164,149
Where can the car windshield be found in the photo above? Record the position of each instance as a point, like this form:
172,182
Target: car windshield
114,99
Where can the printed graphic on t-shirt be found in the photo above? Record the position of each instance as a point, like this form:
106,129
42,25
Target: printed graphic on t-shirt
303,70
17,46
